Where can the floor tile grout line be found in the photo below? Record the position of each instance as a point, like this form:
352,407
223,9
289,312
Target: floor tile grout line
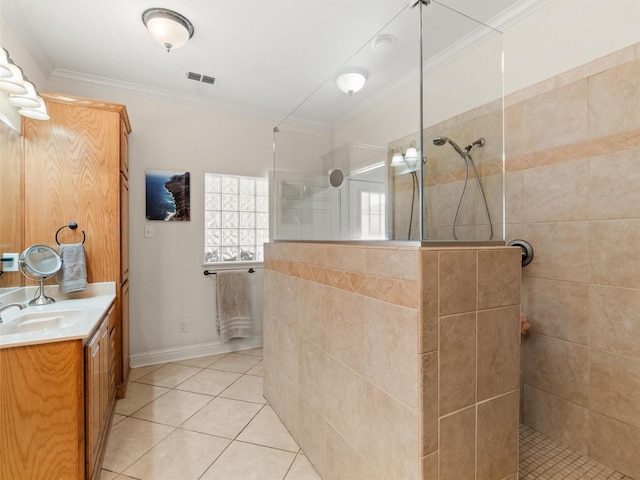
541,457
263,405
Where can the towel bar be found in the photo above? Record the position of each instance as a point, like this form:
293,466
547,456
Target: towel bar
207,272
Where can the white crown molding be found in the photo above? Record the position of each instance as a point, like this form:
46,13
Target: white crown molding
93,81
515,13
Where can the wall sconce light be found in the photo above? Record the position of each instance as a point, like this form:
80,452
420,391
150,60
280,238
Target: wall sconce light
168,28
409,159
4,64
29,99
351,79
22,92
13,83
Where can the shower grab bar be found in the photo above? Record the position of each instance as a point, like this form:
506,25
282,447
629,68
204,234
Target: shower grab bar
527,250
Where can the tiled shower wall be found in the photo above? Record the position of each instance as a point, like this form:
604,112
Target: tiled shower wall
395,363
573,192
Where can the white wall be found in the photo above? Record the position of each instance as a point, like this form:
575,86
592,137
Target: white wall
566,34
166,274
560,36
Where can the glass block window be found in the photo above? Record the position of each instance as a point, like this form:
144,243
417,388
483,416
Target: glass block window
236,218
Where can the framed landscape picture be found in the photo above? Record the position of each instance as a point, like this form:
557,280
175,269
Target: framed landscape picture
168,195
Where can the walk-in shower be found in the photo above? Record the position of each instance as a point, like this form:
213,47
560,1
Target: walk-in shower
468,161
416,97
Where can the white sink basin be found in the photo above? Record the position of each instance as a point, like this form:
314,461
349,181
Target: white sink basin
41,321
73,316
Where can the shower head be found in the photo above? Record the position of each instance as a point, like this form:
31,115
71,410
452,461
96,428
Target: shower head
439,141
478,143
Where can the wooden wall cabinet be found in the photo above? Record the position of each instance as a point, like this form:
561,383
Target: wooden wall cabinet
76,169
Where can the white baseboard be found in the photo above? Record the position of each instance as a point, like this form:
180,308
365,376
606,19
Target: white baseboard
193,351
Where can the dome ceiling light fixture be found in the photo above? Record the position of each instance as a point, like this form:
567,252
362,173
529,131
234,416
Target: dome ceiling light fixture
351,79
168,28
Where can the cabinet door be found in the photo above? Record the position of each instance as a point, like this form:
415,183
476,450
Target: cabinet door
124,150
93,417
97,399
125,333
124,228
105,364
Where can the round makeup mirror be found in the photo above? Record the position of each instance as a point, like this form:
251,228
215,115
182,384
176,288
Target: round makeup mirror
336,178
40,262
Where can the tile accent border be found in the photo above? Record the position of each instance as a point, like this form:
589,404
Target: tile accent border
404,293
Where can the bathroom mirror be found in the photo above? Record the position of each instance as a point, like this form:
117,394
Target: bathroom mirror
11,205
40,262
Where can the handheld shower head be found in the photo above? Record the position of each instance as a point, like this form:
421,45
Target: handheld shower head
439,141
478,143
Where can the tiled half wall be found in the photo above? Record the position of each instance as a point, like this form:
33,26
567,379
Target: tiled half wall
395,363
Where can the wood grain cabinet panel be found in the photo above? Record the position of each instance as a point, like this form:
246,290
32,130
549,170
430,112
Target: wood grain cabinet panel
42,414
76,169
78,164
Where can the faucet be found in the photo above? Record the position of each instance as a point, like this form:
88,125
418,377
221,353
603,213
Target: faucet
21,306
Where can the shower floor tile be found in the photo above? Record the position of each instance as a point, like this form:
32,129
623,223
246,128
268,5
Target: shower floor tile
542,458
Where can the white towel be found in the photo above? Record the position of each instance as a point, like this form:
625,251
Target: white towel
72,276
234,311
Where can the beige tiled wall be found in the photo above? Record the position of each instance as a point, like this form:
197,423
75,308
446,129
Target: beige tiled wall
573,192
379,359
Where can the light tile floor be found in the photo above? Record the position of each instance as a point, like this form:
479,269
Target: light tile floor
542,458
206,419
201,419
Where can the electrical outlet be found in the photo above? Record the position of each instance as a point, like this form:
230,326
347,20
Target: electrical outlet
182,326
9,262
148,231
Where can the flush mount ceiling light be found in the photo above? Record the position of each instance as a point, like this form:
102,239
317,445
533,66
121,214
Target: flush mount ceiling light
168,28
351,79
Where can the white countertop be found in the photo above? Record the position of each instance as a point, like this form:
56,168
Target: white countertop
83,310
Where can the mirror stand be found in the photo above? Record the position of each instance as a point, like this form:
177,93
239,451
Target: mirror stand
38,263
42,299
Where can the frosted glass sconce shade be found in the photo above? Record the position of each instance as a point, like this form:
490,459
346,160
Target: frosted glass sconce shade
15,83
28,100
38,113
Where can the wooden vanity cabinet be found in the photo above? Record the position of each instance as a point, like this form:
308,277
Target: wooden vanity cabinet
57,402
76,169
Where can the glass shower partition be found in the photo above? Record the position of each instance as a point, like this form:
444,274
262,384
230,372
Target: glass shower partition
354,166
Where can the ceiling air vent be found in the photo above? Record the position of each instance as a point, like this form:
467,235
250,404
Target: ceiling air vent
201,78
